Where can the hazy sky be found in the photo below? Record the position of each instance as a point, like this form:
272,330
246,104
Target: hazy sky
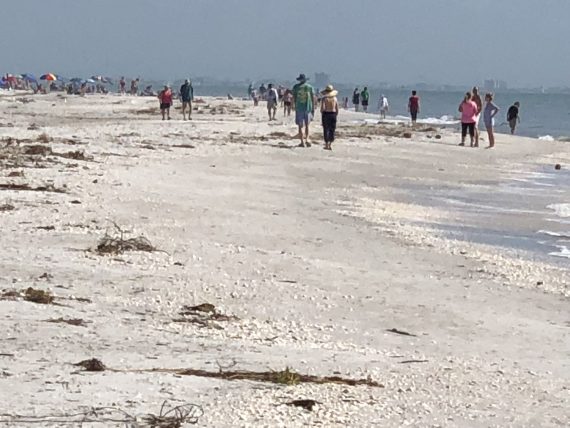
525,42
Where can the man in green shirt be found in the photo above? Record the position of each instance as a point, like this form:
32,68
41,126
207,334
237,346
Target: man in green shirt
303,97
365,98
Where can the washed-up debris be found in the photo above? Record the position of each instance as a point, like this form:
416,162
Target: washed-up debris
46,227
7,207
279,135
203,307
412,361
78,322
77,155
305,404
37,150
92,365
284,377
118,244
557,167
174,417
30,294
27,187
402,332
44,138
184,146
16,174
38,296
169,417
203,315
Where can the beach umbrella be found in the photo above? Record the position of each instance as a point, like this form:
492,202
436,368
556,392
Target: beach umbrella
49,77
29,77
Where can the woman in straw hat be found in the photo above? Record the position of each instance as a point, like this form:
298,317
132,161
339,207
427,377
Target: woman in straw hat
329,111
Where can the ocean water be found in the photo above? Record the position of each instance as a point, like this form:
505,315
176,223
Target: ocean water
528,212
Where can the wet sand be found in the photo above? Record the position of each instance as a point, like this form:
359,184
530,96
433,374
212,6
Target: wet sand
317,255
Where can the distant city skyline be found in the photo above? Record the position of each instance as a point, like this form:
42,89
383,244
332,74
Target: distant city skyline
523,42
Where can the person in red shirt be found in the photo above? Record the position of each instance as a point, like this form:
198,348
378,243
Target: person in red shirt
414,106
165,98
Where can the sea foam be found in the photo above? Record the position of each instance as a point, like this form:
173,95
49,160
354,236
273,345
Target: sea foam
561,210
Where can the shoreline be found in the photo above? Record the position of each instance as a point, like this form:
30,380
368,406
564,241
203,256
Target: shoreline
315,259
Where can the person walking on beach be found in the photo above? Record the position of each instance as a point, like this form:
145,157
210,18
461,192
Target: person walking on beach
414,106
476,98
250,91
122,86
272,101
165,98
135,86
365,99
489,114
468,110
303,96
513,116
262,91
329,114
356,99
187,96
287,102
383,106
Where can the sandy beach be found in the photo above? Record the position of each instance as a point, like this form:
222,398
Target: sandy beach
400,260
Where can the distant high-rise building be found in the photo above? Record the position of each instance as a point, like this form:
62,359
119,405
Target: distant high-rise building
322,80
495,85
489,85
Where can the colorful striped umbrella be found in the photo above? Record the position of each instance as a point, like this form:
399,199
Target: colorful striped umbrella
49,76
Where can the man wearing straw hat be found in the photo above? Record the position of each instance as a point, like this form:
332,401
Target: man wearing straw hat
329,111
303,95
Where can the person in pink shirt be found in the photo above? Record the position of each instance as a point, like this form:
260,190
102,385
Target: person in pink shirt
165,98
469,111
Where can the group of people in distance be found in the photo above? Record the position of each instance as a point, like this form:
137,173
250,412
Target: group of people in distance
361,98
471,108
304,99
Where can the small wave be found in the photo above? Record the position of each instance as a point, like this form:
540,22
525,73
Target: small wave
546,138
443,120
561,210
564,252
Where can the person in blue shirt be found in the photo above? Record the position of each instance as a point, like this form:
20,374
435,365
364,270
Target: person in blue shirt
187,96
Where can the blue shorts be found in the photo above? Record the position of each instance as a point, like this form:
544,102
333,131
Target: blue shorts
303,117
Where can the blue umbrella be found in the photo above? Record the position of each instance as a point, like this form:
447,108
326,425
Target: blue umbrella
29,78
